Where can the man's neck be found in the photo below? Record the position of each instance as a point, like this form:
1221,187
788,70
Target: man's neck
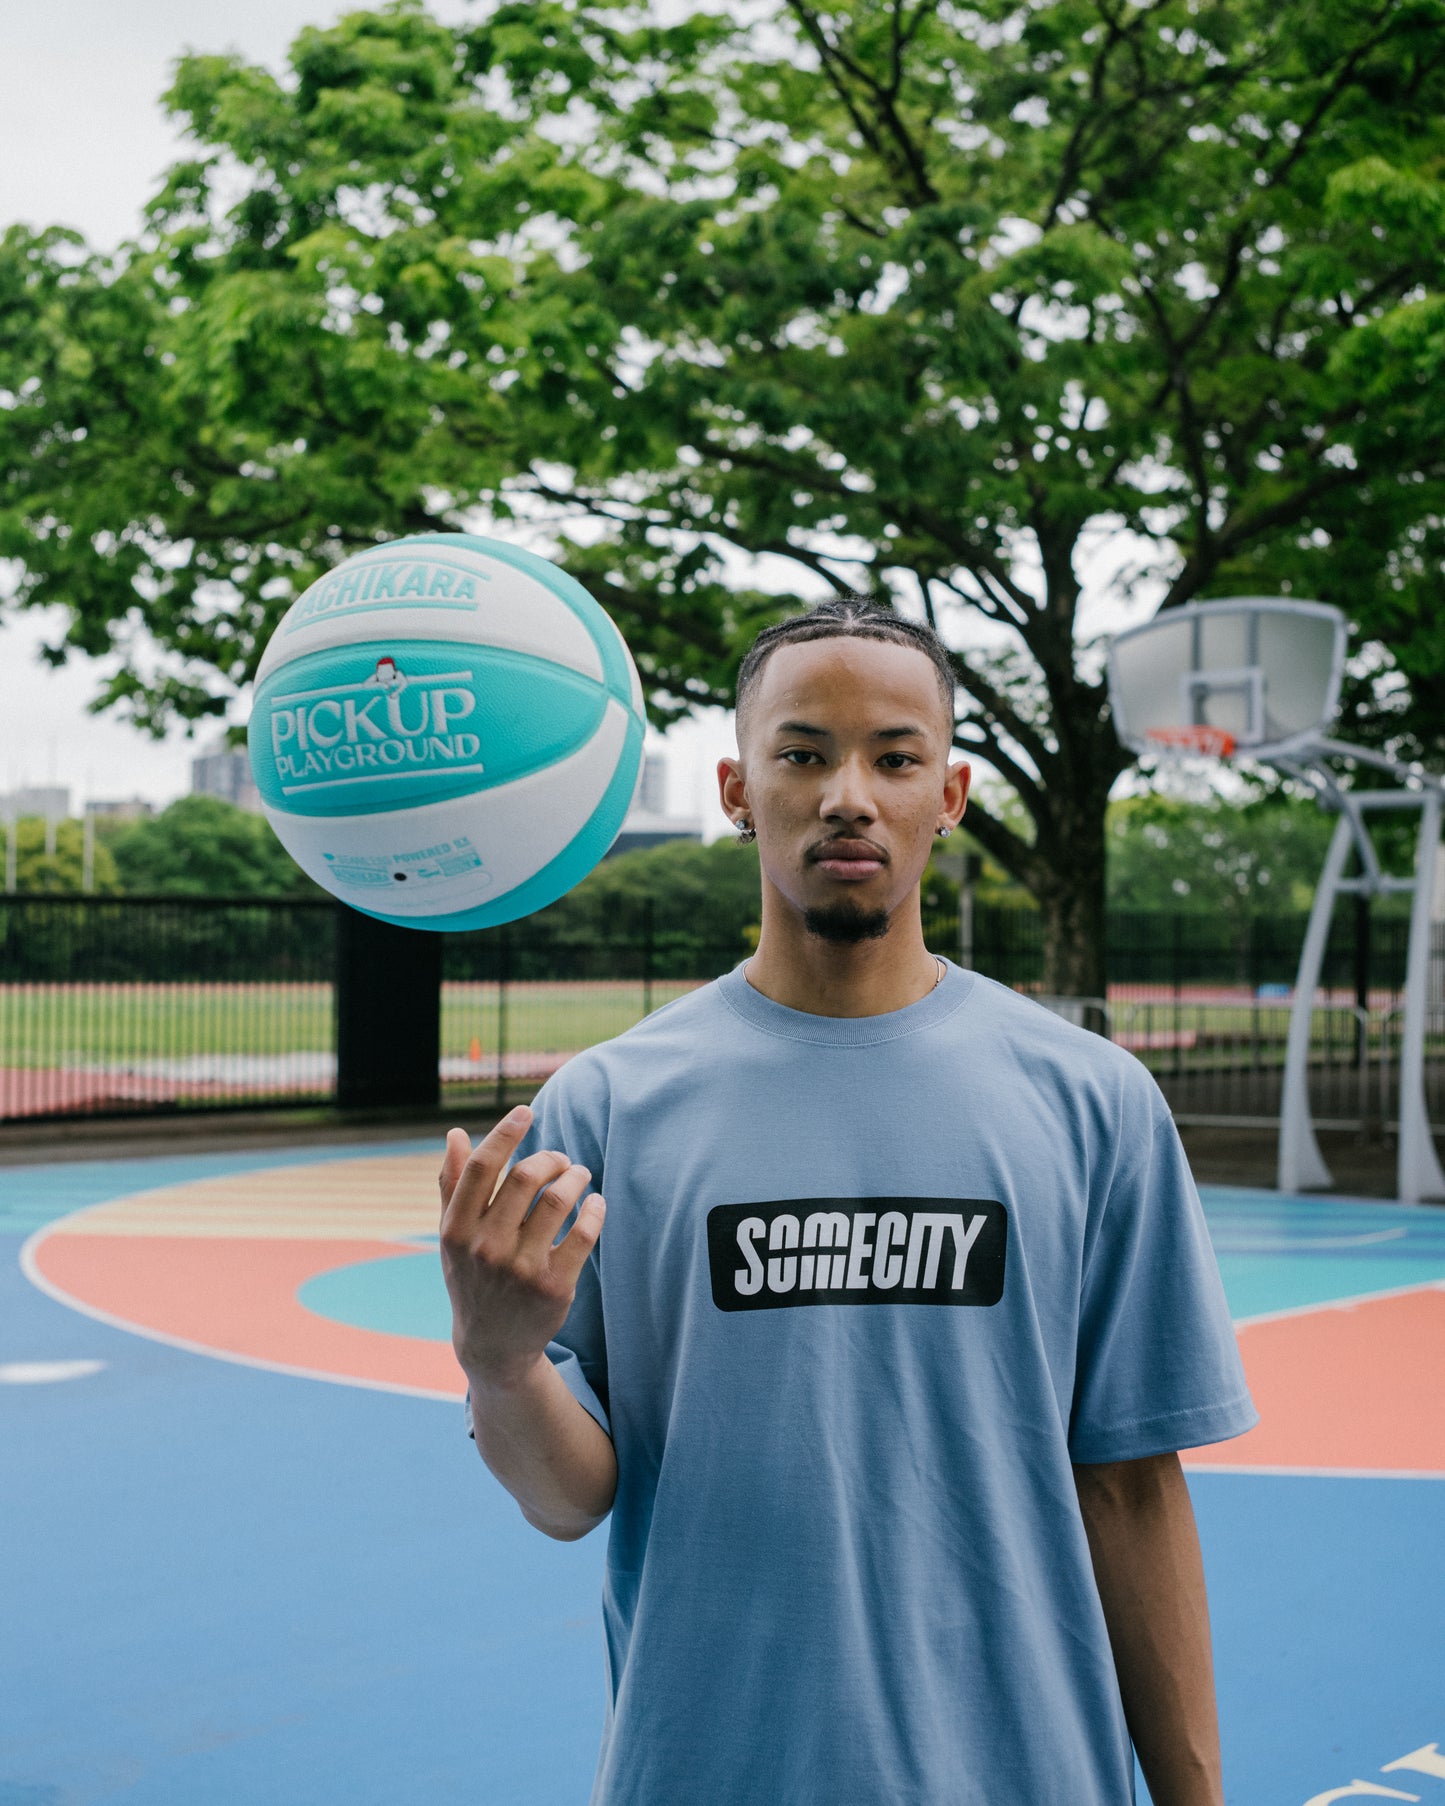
820,977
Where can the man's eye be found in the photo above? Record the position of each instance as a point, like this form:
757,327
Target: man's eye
799,755
898,761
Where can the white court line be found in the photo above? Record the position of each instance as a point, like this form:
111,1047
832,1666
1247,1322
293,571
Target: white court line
41,1373
1340,1304
1311,1473
32,1272
1285,1246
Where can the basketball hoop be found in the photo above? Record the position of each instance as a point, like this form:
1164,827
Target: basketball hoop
1209,742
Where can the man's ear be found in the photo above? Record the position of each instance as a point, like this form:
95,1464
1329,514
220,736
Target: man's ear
955,791
732,788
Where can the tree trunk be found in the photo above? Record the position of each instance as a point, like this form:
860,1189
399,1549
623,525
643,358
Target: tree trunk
1073,896
1075,952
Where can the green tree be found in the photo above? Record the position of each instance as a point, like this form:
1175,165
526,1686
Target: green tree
203,846
1216,858
37,868
900,295
698,902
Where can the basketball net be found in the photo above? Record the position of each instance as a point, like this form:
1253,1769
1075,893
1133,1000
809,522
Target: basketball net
1212,742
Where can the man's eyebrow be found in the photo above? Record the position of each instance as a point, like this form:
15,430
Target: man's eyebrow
810,732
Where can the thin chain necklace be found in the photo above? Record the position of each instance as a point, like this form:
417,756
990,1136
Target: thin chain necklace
938,961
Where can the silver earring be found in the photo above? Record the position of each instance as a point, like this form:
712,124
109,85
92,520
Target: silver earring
944,831
747,833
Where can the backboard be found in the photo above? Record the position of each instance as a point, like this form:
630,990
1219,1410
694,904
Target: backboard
1247,675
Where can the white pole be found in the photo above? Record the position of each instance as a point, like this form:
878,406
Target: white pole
1418,1173
1301,1165
87,850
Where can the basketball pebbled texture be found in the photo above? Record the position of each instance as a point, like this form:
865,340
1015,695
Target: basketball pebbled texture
446,731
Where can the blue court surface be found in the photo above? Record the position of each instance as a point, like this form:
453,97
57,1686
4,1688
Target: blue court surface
249,1558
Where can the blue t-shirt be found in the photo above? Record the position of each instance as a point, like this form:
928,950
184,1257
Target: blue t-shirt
867,1287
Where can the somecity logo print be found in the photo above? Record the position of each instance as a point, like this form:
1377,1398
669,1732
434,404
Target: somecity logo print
800,1251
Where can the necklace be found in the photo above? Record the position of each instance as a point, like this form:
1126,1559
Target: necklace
938,960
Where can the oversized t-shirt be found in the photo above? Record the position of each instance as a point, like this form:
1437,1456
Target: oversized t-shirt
867,1287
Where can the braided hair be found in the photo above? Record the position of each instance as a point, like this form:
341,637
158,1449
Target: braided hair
846,617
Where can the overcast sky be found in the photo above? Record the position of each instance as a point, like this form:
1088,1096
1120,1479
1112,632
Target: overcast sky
83,141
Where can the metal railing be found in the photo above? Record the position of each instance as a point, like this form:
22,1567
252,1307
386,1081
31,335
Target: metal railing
122,1005
115,1005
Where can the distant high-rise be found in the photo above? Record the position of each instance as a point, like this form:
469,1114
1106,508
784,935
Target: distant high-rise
225,771
648,823
650,797
121,808
50,800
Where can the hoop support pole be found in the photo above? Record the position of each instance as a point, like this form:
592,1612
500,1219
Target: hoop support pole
1301,1166
1417,1173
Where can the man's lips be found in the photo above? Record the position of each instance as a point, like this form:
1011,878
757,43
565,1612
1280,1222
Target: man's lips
849,858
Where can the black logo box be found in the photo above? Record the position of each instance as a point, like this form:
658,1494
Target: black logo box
804,1251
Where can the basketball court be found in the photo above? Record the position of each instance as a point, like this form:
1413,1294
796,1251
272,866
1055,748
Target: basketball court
250,1554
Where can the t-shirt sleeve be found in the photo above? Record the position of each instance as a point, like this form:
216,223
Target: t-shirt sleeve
579,1352
1158,1367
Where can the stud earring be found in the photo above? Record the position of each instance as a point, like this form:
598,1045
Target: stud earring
944,831
747,833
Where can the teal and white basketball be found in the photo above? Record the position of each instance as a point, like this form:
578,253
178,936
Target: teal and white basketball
446,732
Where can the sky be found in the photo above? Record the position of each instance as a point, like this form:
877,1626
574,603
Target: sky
83,141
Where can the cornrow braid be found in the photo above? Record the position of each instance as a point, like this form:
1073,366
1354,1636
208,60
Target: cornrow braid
846,617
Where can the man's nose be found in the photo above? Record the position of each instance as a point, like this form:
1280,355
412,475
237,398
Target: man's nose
848,793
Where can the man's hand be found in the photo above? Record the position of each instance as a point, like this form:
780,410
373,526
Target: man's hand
510,1287
511,1290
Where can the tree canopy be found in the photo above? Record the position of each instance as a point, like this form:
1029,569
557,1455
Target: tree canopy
1215,858
916,298
50,856
203,846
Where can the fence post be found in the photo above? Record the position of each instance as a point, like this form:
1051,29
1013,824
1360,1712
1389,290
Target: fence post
504,964
388,1014
647,950
1362,977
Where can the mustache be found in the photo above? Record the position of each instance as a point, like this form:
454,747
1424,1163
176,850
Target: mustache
847,846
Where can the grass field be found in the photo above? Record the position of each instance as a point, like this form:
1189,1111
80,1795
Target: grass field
51,1025
136,1027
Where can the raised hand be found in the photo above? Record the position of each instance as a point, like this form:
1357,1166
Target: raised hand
510,1286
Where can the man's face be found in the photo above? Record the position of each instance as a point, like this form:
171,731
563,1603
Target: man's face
843,769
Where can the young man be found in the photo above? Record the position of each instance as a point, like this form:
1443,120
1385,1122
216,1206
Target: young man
903,1306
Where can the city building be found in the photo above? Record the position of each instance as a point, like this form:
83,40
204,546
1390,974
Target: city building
121,808
225,771
52,801
648,823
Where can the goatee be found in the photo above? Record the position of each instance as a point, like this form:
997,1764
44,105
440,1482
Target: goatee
846,922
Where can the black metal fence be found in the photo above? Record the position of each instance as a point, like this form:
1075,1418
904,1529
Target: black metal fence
115,1005
111,1005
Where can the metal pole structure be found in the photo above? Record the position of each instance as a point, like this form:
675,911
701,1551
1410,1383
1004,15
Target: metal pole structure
1301,1165
504,961
647,954
388,1014
1418,1173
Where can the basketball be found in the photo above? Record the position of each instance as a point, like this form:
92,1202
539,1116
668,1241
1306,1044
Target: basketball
446,732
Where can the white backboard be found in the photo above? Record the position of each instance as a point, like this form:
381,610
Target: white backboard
1247,675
